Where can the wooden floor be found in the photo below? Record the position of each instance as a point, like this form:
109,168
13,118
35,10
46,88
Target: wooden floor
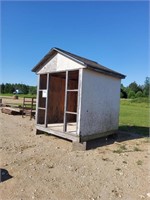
57,129
71,127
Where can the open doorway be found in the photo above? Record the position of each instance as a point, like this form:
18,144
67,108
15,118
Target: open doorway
59,111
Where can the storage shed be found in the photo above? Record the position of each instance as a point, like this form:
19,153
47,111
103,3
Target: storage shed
77,98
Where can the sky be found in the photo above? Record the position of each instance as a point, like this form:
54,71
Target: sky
113,33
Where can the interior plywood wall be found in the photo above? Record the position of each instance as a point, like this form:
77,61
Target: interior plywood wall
57,99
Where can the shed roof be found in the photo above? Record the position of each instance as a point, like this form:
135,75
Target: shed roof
83,61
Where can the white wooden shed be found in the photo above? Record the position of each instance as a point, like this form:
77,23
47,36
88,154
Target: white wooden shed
77,99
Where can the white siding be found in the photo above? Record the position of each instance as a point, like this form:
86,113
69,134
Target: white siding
60,63
99,103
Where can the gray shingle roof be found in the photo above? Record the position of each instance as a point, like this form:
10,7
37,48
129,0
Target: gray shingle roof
84,61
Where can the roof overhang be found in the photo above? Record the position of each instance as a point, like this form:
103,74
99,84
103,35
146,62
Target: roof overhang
83,61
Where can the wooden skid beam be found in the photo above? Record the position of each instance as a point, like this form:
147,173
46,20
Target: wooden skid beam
11,111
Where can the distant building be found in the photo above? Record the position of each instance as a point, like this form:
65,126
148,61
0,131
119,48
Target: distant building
17,92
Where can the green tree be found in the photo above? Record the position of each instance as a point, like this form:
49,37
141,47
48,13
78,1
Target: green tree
32,89
131,95
134,87
8,88
138,94
123,93
2,88
146,86
25,89
22,88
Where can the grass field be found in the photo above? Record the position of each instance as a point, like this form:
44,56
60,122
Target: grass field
19,95
134,115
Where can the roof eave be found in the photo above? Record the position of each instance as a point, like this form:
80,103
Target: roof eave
43,61
55,50
116,75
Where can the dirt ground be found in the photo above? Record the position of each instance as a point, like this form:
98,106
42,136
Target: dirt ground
46,168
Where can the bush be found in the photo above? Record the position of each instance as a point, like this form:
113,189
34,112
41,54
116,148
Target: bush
146,92
131,95
123,94
138,94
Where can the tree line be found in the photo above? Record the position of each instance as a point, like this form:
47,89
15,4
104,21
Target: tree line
133,90
9,88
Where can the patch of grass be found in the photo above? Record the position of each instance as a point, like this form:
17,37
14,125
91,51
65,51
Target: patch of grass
135,129
139,162
142,100
134,116
137,144
136,149
26,95
6,95
118,151
122,148
19,95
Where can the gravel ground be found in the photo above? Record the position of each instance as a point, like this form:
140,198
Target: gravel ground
46,168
